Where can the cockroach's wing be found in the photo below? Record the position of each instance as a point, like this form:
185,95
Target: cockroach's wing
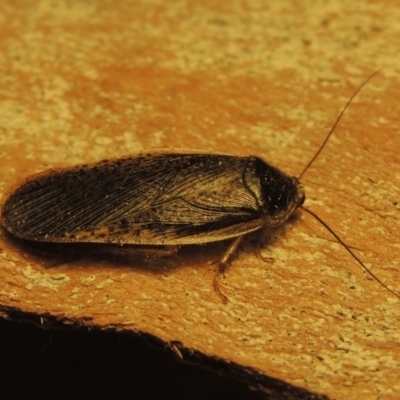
153,199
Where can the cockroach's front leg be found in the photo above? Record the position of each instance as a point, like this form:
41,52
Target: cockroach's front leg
263,239
224,264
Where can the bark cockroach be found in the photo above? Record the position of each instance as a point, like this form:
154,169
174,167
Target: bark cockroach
164,198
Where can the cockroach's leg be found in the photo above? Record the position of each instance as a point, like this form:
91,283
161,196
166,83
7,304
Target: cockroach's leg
174,346
263,239
109,250
158,251
224,264
143,250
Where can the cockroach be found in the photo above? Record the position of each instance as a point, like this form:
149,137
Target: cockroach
161,198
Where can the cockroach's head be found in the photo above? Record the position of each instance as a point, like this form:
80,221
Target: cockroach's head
278,195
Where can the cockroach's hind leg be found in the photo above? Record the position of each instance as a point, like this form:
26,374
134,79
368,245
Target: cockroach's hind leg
223,265
160,251
262,240
174,346
156,253
110,251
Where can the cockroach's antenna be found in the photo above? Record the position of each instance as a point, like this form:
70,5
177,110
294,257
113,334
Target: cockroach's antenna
335,124
337,237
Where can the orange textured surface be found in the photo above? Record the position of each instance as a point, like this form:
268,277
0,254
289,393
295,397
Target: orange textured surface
82,81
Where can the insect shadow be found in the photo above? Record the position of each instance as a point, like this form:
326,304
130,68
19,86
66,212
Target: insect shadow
147,258
53,255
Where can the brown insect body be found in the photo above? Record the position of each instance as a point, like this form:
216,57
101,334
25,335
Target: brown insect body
153,199
163,198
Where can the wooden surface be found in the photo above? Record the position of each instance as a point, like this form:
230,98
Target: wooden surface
81,81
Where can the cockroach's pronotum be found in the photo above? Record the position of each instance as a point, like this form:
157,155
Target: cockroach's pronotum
160,198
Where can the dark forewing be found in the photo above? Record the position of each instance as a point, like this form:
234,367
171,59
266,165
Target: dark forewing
148,199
